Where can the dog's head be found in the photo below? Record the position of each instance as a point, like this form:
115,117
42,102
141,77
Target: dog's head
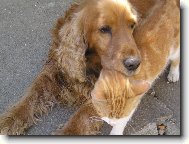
109,27
104,27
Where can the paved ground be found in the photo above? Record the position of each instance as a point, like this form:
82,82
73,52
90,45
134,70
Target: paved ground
24,44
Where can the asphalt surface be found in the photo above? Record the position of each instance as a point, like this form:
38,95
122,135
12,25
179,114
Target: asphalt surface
24,43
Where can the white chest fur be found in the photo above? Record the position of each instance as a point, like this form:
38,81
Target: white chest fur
118,124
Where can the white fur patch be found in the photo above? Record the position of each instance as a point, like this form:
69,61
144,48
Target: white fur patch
118,124
128,7
174,74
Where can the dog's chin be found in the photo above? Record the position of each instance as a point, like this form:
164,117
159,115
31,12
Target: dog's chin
130,73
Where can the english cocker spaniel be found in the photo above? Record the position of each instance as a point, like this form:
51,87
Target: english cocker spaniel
93,34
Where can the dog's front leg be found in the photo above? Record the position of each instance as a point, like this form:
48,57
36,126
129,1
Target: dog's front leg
39,98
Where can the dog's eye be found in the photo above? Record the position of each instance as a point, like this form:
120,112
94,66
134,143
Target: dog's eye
106,29
132,26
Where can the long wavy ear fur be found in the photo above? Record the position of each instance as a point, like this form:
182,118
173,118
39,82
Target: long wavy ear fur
68,47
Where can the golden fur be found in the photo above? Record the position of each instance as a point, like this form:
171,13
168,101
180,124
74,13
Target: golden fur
78,53
114,96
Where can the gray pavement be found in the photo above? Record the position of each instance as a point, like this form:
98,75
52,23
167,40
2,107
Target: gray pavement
24,43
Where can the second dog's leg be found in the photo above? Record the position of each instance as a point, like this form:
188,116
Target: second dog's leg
39,98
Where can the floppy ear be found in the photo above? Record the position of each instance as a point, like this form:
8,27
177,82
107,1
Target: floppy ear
71,47
139,86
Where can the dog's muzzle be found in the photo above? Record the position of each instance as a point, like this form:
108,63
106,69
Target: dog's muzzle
132,63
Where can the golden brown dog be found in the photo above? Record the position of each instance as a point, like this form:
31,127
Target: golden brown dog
92,35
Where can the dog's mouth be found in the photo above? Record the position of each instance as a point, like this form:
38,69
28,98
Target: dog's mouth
129,73
133,72
128,68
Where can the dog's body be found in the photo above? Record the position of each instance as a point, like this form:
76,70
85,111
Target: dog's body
159,42
84,41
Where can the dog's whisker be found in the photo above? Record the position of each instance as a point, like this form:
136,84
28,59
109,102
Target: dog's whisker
95,118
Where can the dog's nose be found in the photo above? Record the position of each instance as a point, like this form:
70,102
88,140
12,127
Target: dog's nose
132,63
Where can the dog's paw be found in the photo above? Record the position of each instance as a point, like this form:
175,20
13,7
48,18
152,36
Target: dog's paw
173,75
6,125
12,125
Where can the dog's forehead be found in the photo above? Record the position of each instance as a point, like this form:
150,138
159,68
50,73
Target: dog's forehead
122,8
123,3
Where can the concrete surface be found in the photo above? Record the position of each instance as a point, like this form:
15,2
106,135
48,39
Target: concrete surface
24,44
